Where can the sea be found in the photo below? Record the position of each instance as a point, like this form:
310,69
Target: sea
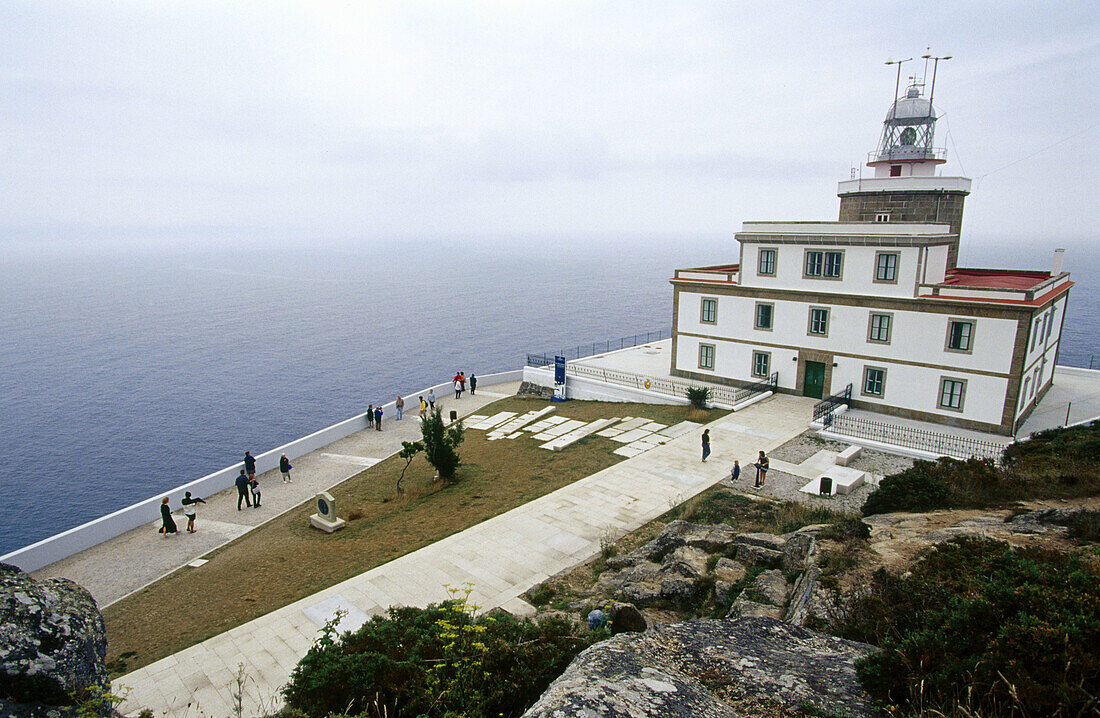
128,368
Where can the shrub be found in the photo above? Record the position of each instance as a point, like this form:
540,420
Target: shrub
1085,526
1003,631
699,396
434,661
921,487
440,443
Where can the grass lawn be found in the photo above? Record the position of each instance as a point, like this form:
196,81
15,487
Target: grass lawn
285,559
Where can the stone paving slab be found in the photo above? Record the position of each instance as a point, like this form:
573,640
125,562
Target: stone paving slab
502,557
633,435
498,418
576,435
679,429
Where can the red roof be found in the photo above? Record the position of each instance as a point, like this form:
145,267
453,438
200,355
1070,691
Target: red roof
995,278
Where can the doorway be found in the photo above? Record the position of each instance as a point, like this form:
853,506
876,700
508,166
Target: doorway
814,384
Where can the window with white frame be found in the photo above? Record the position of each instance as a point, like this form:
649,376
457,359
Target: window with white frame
766,262
1035,334
882,217
706,356
879,328
827,265
952,393
708,312
960,335
763,317
886,267
761,363
1050,327
874,381
819,321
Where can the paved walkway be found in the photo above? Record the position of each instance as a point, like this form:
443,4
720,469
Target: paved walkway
148,555
501,557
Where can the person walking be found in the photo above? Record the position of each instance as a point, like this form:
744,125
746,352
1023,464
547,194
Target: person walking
473,384
242,490
378,418
423,408
189,510
431,398
458,387
284,468
706,444
168,526
255,486
399,405
249,464
370,416
735,472
761,470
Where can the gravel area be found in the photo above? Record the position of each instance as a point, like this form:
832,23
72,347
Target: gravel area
785,486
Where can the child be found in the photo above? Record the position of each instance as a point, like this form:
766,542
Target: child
735,473
255,486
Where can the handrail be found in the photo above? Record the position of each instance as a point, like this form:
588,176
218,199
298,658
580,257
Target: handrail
828,405
916,438
610,345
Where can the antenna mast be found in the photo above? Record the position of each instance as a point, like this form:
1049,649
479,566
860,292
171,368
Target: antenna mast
935,66
897,82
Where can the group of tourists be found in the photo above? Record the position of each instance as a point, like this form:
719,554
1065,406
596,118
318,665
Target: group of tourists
761,464
374,416
460,384
248,493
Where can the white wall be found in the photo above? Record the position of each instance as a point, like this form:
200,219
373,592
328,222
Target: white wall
67,543
577,387
857,269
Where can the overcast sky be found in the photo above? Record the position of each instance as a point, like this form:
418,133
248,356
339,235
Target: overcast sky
559,119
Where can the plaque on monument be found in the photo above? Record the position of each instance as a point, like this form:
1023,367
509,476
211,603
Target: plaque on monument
325,518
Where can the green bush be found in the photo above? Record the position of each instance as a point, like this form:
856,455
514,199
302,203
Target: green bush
1085,526
699,396
921,487
441,443
1002,631
436,661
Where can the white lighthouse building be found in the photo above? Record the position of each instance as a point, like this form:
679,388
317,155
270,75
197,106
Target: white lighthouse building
876,300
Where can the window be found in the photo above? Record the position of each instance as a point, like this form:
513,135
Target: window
879,329
1023,395
895,170
766,262
1035,334
960,335
706,356
886,267
874,381
763,318
819,321
882,218
708,314
1050,327
761,363
824,264
952,392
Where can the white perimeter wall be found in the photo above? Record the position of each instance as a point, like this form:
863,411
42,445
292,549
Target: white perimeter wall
594,390
67,543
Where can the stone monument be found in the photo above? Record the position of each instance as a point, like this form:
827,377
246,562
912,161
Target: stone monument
325,518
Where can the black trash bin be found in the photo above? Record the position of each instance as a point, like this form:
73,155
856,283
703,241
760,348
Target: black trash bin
826,486
454,416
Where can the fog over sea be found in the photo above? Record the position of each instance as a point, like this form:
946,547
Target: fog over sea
131,369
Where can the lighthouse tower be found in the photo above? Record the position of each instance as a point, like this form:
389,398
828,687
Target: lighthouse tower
905,186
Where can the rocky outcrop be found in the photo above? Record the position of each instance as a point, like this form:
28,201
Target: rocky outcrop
530,390
710,669
52,644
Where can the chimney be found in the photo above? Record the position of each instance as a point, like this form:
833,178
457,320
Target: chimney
1059,255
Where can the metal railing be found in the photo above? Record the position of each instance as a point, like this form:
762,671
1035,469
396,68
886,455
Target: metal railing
912,437
727,395
585,350
826,406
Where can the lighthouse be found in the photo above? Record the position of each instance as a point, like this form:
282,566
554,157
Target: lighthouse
905,186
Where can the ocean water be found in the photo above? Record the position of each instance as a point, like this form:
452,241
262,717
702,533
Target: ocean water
128,370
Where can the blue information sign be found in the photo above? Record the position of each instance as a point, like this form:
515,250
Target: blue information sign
559,370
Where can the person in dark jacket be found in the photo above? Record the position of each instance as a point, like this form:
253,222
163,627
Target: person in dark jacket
255,486
706,444
168,526
284,468
189,510
249,464
473,384
242,490
378,418
370,416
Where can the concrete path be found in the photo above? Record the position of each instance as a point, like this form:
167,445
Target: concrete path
501,557
148,555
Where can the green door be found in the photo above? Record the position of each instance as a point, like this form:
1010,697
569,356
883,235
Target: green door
814,385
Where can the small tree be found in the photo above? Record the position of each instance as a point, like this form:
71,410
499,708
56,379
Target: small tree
440,442
409,449
698,396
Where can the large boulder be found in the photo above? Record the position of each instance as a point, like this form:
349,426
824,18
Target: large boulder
52,644
686,561
710,669
797,551
771,587
711,538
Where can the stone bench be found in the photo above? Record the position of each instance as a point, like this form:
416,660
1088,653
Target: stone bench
845,457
